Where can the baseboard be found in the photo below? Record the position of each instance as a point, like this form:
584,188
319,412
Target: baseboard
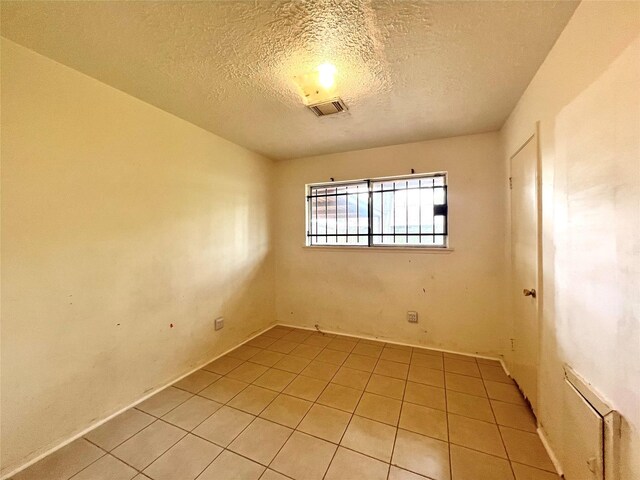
113,415
552,455
369,337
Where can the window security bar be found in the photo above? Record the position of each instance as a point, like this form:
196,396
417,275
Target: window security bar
409,211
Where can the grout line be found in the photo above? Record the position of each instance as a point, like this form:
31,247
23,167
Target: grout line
353,414
395,438
84,468
446,406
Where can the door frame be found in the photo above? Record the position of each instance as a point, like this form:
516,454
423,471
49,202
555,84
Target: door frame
534,136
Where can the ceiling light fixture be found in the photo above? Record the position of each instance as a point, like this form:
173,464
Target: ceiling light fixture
326,73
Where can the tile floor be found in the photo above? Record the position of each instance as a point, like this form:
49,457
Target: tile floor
306,406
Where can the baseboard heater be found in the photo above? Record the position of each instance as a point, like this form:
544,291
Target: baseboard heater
591,432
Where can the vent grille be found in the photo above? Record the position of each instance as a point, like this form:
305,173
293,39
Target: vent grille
330,107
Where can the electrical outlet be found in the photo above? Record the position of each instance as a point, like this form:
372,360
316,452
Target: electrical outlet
412,317
219,323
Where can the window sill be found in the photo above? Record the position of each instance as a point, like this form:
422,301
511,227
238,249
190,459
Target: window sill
419,250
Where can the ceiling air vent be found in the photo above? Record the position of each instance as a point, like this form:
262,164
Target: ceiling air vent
330,107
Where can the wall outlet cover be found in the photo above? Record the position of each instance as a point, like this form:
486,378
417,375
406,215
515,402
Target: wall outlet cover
412,317
219,323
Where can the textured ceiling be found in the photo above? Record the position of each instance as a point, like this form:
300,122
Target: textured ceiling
408,70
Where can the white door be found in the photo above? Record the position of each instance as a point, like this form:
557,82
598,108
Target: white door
524,261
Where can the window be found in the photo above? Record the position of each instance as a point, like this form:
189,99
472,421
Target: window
406,211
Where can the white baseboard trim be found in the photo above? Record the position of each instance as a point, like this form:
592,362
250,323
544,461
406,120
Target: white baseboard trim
131,405
369,337
547,447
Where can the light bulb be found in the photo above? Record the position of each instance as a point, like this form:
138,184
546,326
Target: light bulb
326,71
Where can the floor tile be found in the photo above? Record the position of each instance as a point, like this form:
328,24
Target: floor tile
63,463
223,390
106,468
429,361
293,364
342,345
347,464
320,370
340,397
317,341
304,457
231,466
469,406
469,464
370,341
387,386
379,408
191,413
223,365
392,369
488,361
244,352
267,358
198,380
525,472
370,437
424,455
425,395
360,362
397,346
325,422
297,336
396,473
428,376
475,434
261,342
306,351
144,447
515,416
461,367
163,401
185,460
395,355
505,392
349,377
424,420
224,425
272,475
332,356
286,410
253,399
494,373
261,441
247,372
275,379
306,387
282,346
112,433
465,384
427,351
367,350
276,332
524,447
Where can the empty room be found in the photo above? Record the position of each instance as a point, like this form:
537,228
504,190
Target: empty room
320,240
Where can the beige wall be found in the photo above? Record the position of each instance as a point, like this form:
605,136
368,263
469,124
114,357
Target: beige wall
586,96
118,219
458,295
